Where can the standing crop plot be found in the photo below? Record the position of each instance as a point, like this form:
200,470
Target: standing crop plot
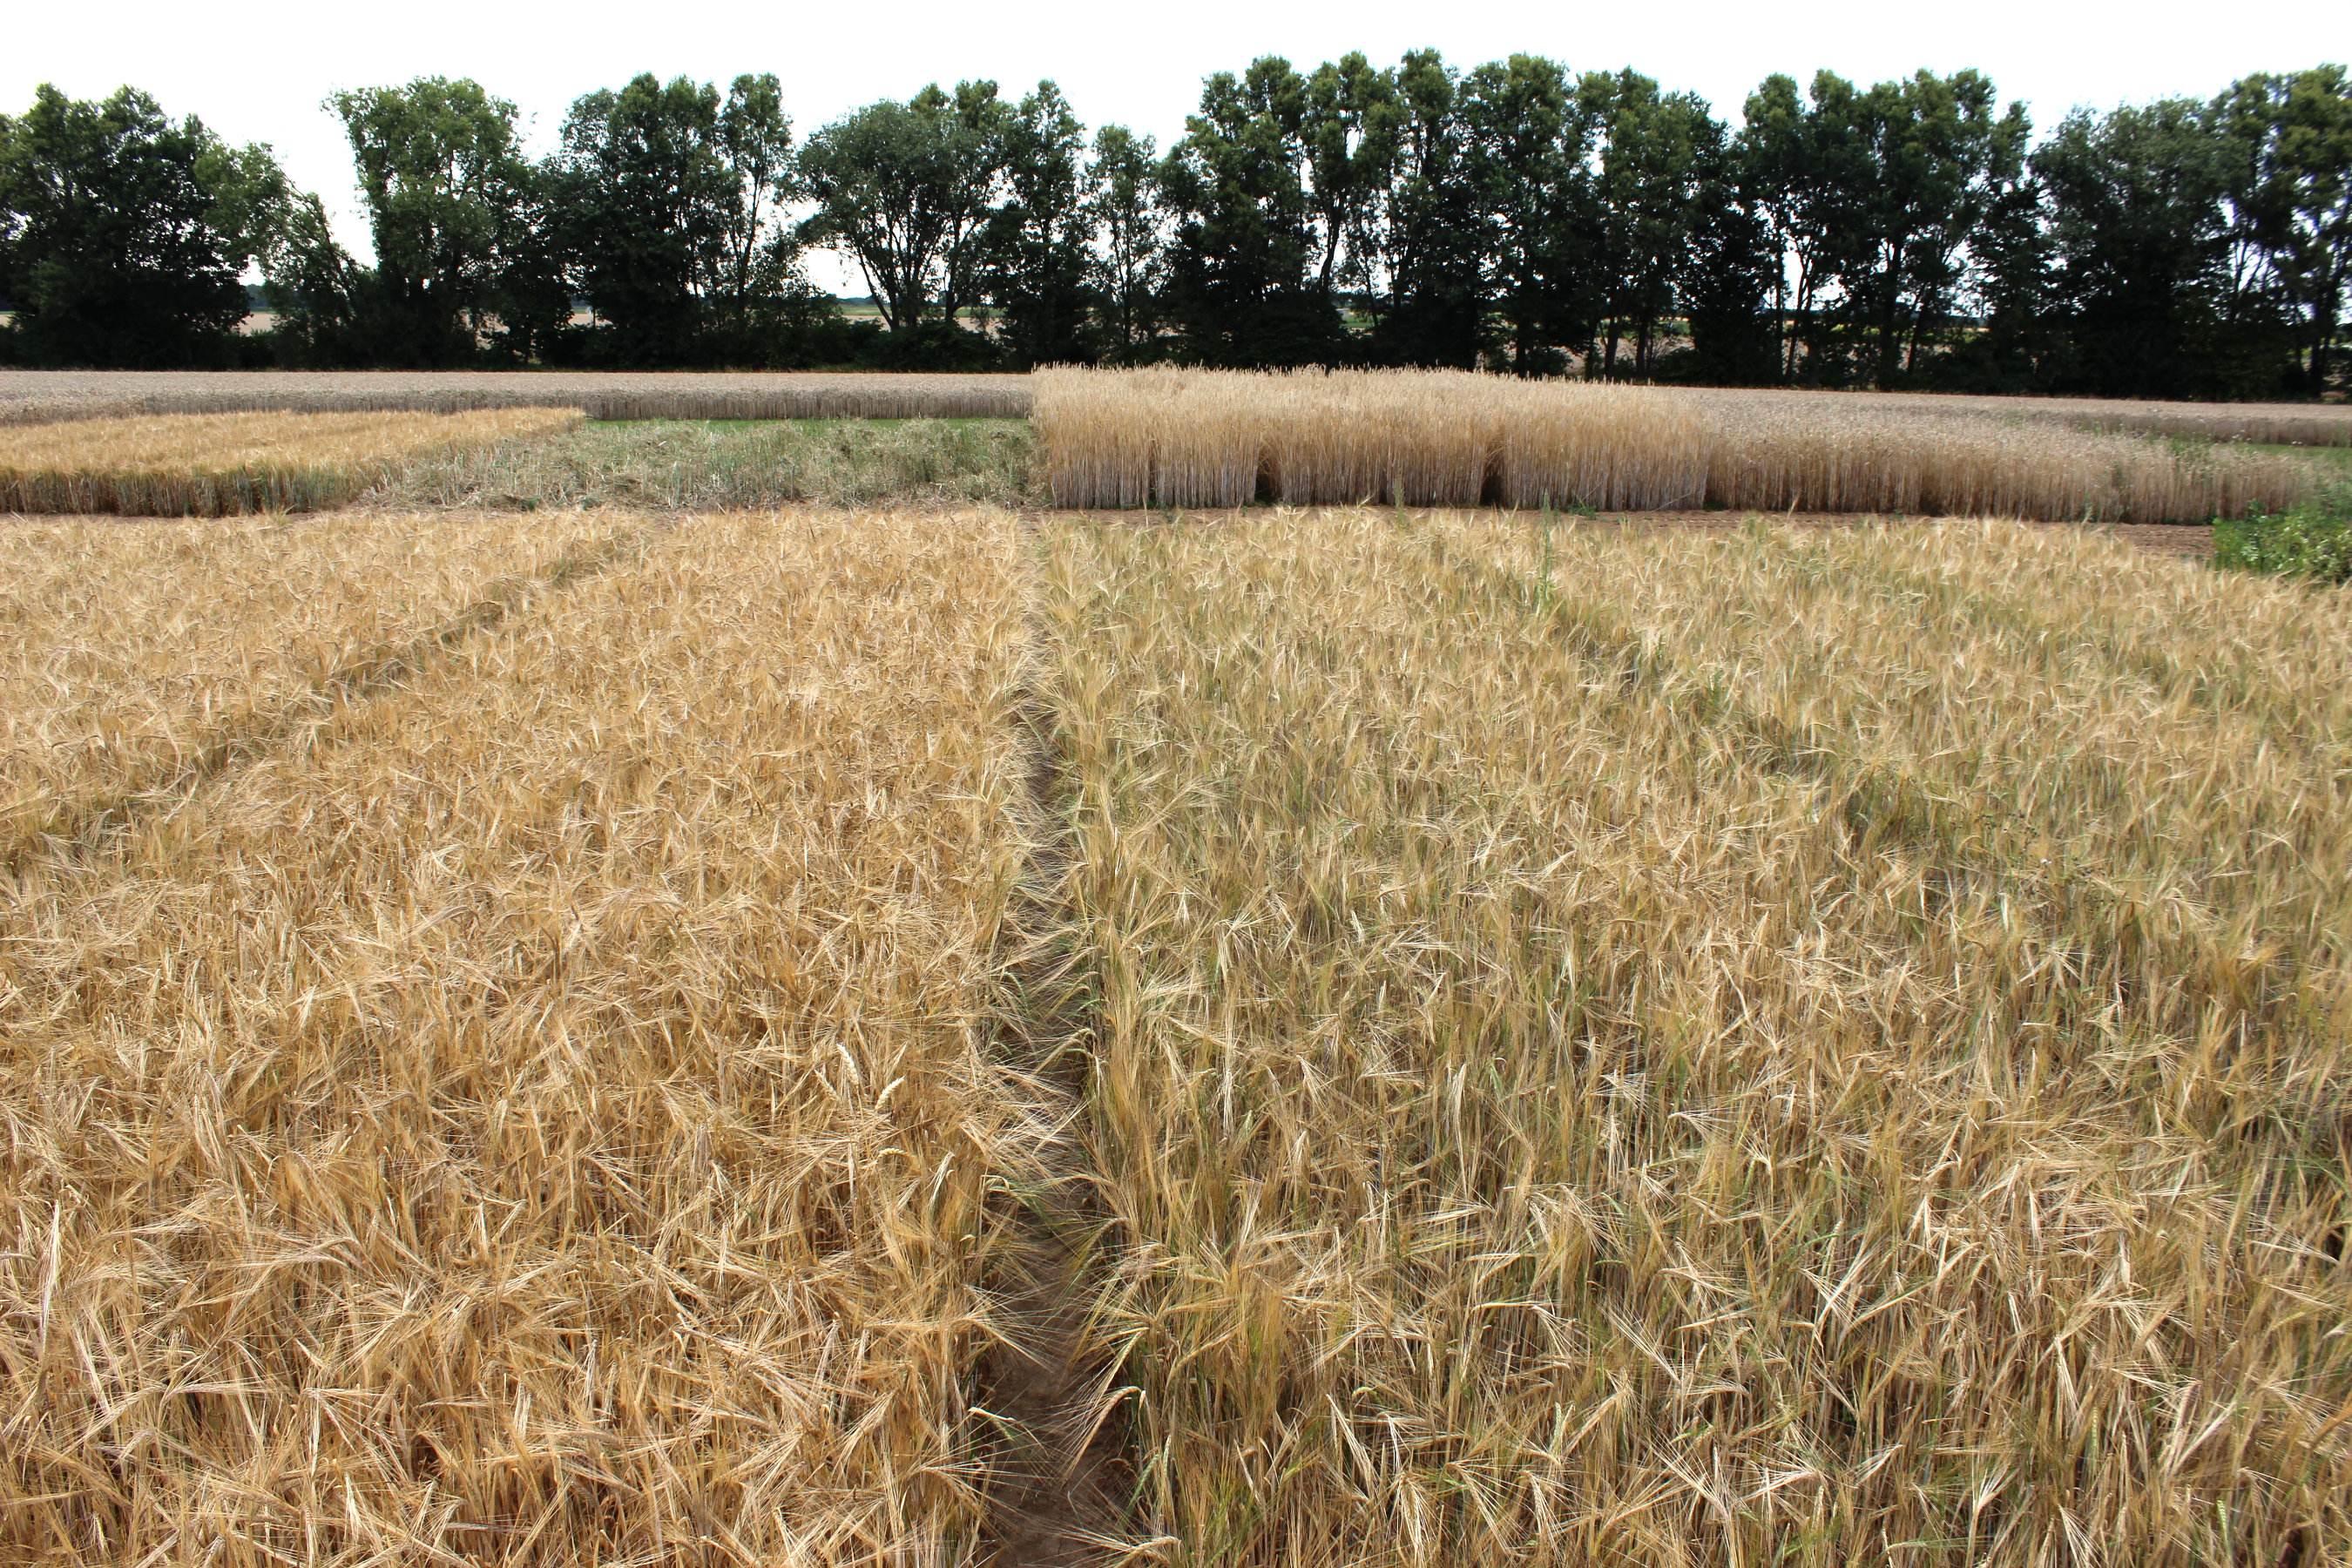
1652,1049
210,465
1450,438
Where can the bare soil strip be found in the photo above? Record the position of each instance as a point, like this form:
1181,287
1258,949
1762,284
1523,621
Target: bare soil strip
1052,1420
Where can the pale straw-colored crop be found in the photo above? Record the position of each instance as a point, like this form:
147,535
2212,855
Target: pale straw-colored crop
1162,437
40,396
128,649
1665,1048
211,464
541,1120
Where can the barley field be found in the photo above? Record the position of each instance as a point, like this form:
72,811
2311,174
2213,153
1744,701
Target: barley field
1658,1048
537,1122
133,652
210,465
1209,438
1322,1035
47,396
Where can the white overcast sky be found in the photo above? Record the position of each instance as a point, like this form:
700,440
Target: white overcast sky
257,72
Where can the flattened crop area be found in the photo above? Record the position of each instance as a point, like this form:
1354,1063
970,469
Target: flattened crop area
1518,1045
539,1119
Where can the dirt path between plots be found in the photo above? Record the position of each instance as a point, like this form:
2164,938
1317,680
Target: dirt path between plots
2195,539
1052,1426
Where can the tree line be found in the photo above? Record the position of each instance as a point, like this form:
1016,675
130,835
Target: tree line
1515,216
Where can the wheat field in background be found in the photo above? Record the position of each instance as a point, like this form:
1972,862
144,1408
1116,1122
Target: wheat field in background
1658,1048
541,1119
41,396
29,397
127,649
1175,437
211,464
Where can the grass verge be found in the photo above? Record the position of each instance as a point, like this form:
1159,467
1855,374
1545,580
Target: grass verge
2312,538
711,465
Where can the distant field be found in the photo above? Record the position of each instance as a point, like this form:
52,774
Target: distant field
28,396
208,465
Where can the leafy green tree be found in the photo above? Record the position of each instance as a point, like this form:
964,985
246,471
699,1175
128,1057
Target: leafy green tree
1729,271
2140,239
908,189
645,203
1804,161
1656,151
2013,289
1038,245
123,234
444,184
1350,120
1242,274
1433,239
2291,140
1532,143
1938,158
1128,267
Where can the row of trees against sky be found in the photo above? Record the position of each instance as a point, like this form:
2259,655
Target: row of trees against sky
1514,215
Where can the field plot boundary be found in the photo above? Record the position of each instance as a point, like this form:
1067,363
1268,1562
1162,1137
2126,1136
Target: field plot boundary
39,397
1057,1444
258,734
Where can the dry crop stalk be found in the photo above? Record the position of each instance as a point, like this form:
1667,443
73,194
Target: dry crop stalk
1167,438
1746,1057
221,464
129,644
533,1125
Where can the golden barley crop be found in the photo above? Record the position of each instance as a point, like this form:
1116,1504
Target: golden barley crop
1776,1046
208,465
1131,439
543,1118
1660,1048
47,395
127,649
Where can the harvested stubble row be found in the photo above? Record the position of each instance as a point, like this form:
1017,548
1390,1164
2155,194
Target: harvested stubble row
42,396
545,1122
1170,438
127,649
1660,1065
212,465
